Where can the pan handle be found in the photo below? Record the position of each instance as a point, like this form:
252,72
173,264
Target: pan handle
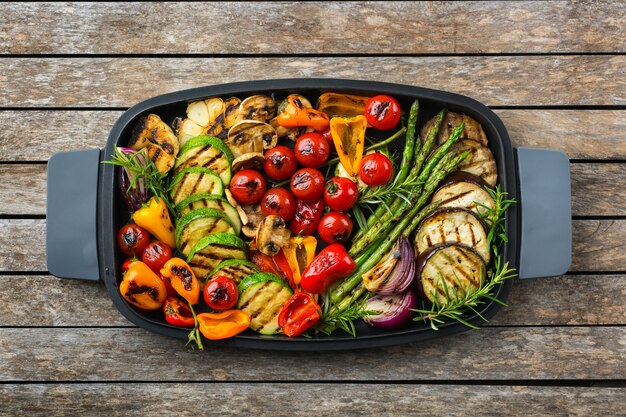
71,236
546,216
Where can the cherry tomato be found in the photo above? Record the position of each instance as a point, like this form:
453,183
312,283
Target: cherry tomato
376,169
312,150
280,202
248,186
220,293
329,138
132,239
155,255
307,217
171,292
298,314
280,163
335,227
307,184
127,263
382,112
340,193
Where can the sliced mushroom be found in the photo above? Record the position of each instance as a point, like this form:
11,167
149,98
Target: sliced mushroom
261,108
250,136
251,160
250,215
272,235
285,132
231,112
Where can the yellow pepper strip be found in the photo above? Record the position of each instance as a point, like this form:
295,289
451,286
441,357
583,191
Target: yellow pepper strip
296,114
182,279
142,287
215,326
155,218
299,252
342,105
349,138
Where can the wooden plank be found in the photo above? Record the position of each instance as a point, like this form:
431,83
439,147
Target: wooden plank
129,354
46,301
364,27
593,189
493,80
597,245
323,400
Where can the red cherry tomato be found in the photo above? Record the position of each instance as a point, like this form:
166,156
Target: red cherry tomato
335,227
220,293
311,150
127,263
280,163
248,186
132,239
307,184
382,112
155,255
376,169
329,138
307,217
280,202
340,193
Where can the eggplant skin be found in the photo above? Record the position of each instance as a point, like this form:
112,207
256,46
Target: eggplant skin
453,225
462,269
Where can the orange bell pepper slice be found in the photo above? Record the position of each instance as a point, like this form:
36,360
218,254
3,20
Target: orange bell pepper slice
222,325
343,105
142,287
299,252
349,139
296,114
182,279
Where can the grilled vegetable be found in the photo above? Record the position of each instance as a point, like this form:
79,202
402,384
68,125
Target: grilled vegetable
261,108
272,235
155,218
196,224
300,313
394,273
177,313
205,117
445,272
220,293
391,311
208,152
199,201
212,249
465,191
341,105
158,139
286,132
330,265
294,112
143,288
299,253
471,129
250,215
479,162
252,160
132,185
250,136
195,180
235,269
232,112
349,139
183,280
263,295
453,225
222,325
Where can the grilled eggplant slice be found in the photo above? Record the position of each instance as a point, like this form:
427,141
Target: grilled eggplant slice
479,162
195,180
208,152
260,108
197,224
453,225
158,139
212,250
471,130
263,295
464,190
199,201
447,272
250,136
235,269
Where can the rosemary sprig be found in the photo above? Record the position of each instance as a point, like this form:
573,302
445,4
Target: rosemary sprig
333,319
496,235
385,194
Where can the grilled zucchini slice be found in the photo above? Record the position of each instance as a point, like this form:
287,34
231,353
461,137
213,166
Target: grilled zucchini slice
447,272
263,295
453,225
208,152
235,269
197,224
198,201
195,180
211,250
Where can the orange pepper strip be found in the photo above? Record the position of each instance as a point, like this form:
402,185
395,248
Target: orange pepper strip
142,287
295,114
222,325
299,252
155,218
182,278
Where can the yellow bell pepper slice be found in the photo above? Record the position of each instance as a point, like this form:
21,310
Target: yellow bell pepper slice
343,105
155,218
299,252
349,138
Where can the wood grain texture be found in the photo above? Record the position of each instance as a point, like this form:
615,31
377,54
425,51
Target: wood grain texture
129,354
598,245
23,189
363,27
46,301
324,400
493,80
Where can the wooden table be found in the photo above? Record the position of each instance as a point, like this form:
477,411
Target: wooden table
555,72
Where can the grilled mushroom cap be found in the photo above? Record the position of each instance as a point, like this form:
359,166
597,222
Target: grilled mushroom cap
251,160
261,108
285,132
250,136
272,235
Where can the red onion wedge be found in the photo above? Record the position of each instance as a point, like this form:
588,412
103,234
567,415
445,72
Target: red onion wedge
393,310
133,189
394,273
